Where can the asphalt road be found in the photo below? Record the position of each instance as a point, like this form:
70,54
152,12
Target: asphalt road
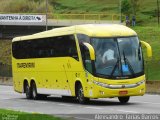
70,107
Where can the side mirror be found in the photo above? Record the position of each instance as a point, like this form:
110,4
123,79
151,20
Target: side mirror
91,50
149,48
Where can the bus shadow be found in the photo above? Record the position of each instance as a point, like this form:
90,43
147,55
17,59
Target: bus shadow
108,102
92,102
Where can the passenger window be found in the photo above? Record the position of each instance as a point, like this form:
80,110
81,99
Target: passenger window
62,46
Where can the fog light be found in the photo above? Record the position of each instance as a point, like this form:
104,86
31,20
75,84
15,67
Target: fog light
141,90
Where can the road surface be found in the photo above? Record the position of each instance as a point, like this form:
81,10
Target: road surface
70,107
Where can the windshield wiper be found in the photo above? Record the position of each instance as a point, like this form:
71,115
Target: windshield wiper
139,52
116,65
126,61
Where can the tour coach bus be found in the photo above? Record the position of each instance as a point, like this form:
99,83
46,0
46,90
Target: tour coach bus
83,61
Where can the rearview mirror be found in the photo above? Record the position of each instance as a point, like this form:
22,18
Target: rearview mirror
91,50
149,48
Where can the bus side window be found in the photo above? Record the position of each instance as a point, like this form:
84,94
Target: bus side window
65,46
72,49
60,46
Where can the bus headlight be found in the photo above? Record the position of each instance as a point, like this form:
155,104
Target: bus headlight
141,82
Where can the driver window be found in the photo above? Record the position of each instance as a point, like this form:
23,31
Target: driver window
86,58
83,38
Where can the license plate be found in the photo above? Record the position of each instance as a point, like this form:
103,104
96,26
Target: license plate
124,92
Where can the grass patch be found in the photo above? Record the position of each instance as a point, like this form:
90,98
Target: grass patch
152,70
15,115
85,6
24,6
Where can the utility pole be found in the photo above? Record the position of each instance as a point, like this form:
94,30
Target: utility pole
158,11
120,9
46,15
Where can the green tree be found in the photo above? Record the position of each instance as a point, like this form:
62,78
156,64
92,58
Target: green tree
158,11
126,7
135,6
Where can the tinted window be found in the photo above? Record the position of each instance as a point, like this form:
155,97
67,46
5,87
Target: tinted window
83,38
45,47
86,58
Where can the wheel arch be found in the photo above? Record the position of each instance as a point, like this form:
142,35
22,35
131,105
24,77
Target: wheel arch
77,83
32,81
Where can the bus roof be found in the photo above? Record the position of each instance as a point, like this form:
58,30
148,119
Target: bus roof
93,30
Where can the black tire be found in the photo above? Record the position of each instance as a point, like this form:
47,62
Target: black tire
28,91
123,99
34,91
80,95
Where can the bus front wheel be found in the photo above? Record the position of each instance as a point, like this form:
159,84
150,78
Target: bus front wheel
28,91
123,99
80,95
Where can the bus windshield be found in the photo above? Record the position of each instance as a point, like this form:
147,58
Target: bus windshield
119,58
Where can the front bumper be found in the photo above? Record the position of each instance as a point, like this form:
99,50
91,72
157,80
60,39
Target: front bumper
100,91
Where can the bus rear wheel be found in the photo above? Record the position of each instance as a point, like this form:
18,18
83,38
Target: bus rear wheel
27,91
123,99
80,95
34,91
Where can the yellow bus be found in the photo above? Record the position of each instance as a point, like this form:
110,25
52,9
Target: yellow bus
87,61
